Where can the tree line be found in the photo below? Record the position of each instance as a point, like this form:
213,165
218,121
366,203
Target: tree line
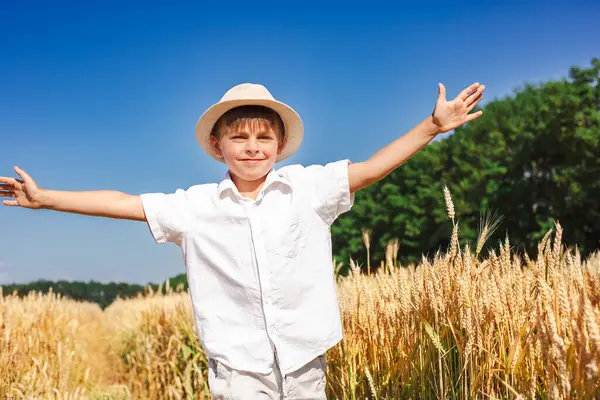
97,292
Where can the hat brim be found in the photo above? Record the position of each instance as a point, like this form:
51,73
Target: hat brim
294,130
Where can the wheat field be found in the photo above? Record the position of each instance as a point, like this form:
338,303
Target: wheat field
457,326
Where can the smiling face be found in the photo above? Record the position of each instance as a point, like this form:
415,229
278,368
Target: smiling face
249,139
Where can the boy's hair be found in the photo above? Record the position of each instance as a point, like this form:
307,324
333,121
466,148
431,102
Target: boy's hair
250,117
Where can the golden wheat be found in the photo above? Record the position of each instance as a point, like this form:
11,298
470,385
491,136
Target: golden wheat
453,326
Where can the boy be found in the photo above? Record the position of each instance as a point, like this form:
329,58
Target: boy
257,246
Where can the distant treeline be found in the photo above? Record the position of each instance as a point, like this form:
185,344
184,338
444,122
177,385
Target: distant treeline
101,293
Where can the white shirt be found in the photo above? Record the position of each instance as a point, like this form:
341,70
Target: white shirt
260,272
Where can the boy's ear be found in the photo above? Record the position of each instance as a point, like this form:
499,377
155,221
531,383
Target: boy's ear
215,145
280,146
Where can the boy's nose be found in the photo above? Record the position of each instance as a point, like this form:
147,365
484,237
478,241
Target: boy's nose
251,146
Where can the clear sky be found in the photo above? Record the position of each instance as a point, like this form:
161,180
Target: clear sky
106,95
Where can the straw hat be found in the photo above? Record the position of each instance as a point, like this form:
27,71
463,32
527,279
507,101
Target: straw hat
251,94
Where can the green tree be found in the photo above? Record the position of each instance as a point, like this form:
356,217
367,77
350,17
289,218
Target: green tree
532,157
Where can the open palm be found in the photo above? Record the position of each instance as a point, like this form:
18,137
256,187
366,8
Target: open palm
449,115
25,192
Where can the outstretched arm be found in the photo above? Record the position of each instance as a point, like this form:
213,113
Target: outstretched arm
447,115
101,203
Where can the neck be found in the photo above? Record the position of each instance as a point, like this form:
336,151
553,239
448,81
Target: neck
248,188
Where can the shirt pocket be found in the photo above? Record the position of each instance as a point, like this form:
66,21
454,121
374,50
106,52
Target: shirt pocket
285,235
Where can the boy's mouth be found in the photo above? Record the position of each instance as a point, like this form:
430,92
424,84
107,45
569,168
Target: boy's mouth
252,160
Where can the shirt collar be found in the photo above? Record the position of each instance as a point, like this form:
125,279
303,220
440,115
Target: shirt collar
272,177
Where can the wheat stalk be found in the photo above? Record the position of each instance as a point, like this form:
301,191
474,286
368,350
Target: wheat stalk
449,203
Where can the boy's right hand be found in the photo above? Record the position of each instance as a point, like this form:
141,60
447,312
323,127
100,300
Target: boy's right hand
99,203
25,191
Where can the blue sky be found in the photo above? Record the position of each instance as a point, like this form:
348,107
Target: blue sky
106,96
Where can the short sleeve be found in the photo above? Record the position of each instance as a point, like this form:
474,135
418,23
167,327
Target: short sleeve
330,189
167,215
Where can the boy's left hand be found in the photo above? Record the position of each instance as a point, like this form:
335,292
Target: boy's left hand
448,115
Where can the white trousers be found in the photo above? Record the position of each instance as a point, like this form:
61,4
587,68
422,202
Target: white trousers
307,382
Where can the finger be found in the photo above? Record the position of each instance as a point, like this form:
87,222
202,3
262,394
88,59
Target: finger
7,188
7,180
475,95
11,182
474,103
441,91
468,91
10,203
471,117
22,174
6,194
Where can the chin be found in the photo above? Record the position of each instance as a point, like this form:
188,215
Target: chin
253,174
